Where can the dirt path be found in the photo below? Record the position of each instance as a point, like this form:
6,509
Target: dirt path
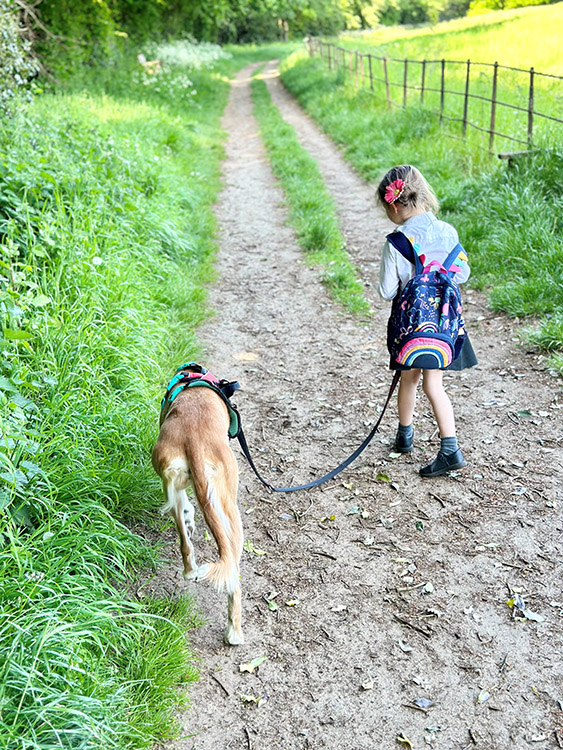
405,599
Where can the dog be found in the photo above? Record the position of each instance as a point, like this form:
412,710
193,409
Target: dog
193,450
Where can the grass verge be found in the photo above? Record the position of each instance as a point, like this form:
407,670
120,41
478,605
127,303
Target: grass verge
106,244
312,210
507,218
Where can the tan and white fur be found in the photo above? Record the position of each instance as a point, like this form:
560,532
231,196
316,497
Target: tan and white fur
193,449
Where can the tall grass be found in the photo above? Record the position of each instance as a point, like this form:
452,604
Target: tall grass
507,217
106,244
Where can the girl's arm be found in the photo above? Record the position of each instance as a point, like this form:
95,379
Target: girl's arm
388,273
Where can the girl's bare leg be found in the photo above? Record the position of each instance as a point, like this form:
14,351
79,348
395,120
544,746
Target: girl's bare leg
433,387
407,395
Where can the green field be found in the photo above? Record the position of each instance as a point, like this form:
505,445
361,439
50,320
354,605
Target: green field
521,38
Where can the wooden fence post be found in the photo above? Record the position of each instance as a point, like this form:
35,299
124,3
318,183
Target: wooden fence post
422,81
442,89
493,107
356,59
370,73
386,75
466,98
531,109
405,84
329,57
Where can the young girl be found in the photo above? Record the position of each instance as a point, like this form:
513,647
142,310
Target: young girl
411,204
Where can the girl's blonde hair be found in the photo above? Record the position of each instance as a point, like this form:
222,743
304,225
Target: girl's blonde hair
417,192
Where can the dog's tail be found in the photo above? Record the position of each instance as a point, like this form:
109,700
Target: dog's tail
215,486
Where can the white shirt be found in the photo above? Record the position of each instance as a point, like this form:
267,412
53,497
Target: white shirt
435,240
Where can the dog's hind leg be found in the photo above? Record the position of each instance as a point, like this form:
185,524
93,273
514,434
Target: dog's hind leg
175,479
233,633
215,485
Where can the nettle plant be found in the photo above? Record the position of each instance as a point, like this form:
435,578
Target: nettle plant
19,295
17,64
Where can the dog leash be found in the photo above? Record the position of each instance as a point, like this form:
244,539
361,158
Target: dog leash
244,447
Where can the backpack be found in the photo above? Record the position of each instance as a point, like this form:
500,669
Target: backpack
426,328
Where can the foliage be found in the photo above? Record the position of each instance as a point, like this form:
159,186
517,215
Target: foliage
93,29
393,12
506,217
312,211
483,6
17,64
106,243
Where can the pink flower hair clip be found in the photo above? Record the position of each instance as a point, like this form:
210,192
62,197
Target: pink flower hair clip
394,190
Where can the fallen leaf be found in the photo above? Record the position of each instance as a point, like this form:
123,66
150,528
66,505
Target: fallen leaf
249,698
423,703
249,547
520,611
401,738
381,477
395,455
246,356
353,510
483,696
251,666
292,603
529,615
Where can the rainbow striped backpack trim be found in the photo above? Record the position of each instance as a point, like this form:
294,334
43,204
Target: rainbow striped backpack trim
426,328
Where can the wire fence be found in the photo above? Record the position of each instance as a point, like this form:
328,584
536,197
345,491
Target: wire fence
499,101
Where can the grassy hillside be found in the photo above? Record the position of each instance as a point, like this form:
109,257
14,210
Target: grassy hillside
507,37
521,38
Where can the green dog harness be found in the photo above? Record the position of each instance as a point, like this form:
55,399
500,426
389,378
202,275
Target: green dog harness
200,376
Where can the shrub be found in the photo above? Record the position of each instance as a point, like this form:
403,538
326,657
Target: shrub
17,63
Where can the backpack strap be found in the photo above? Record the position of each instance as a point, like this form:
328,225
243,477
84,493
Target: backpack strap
458,253
403,245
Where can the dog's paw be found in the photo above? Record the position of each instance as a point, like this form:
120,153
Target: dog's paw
197,573
233,637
